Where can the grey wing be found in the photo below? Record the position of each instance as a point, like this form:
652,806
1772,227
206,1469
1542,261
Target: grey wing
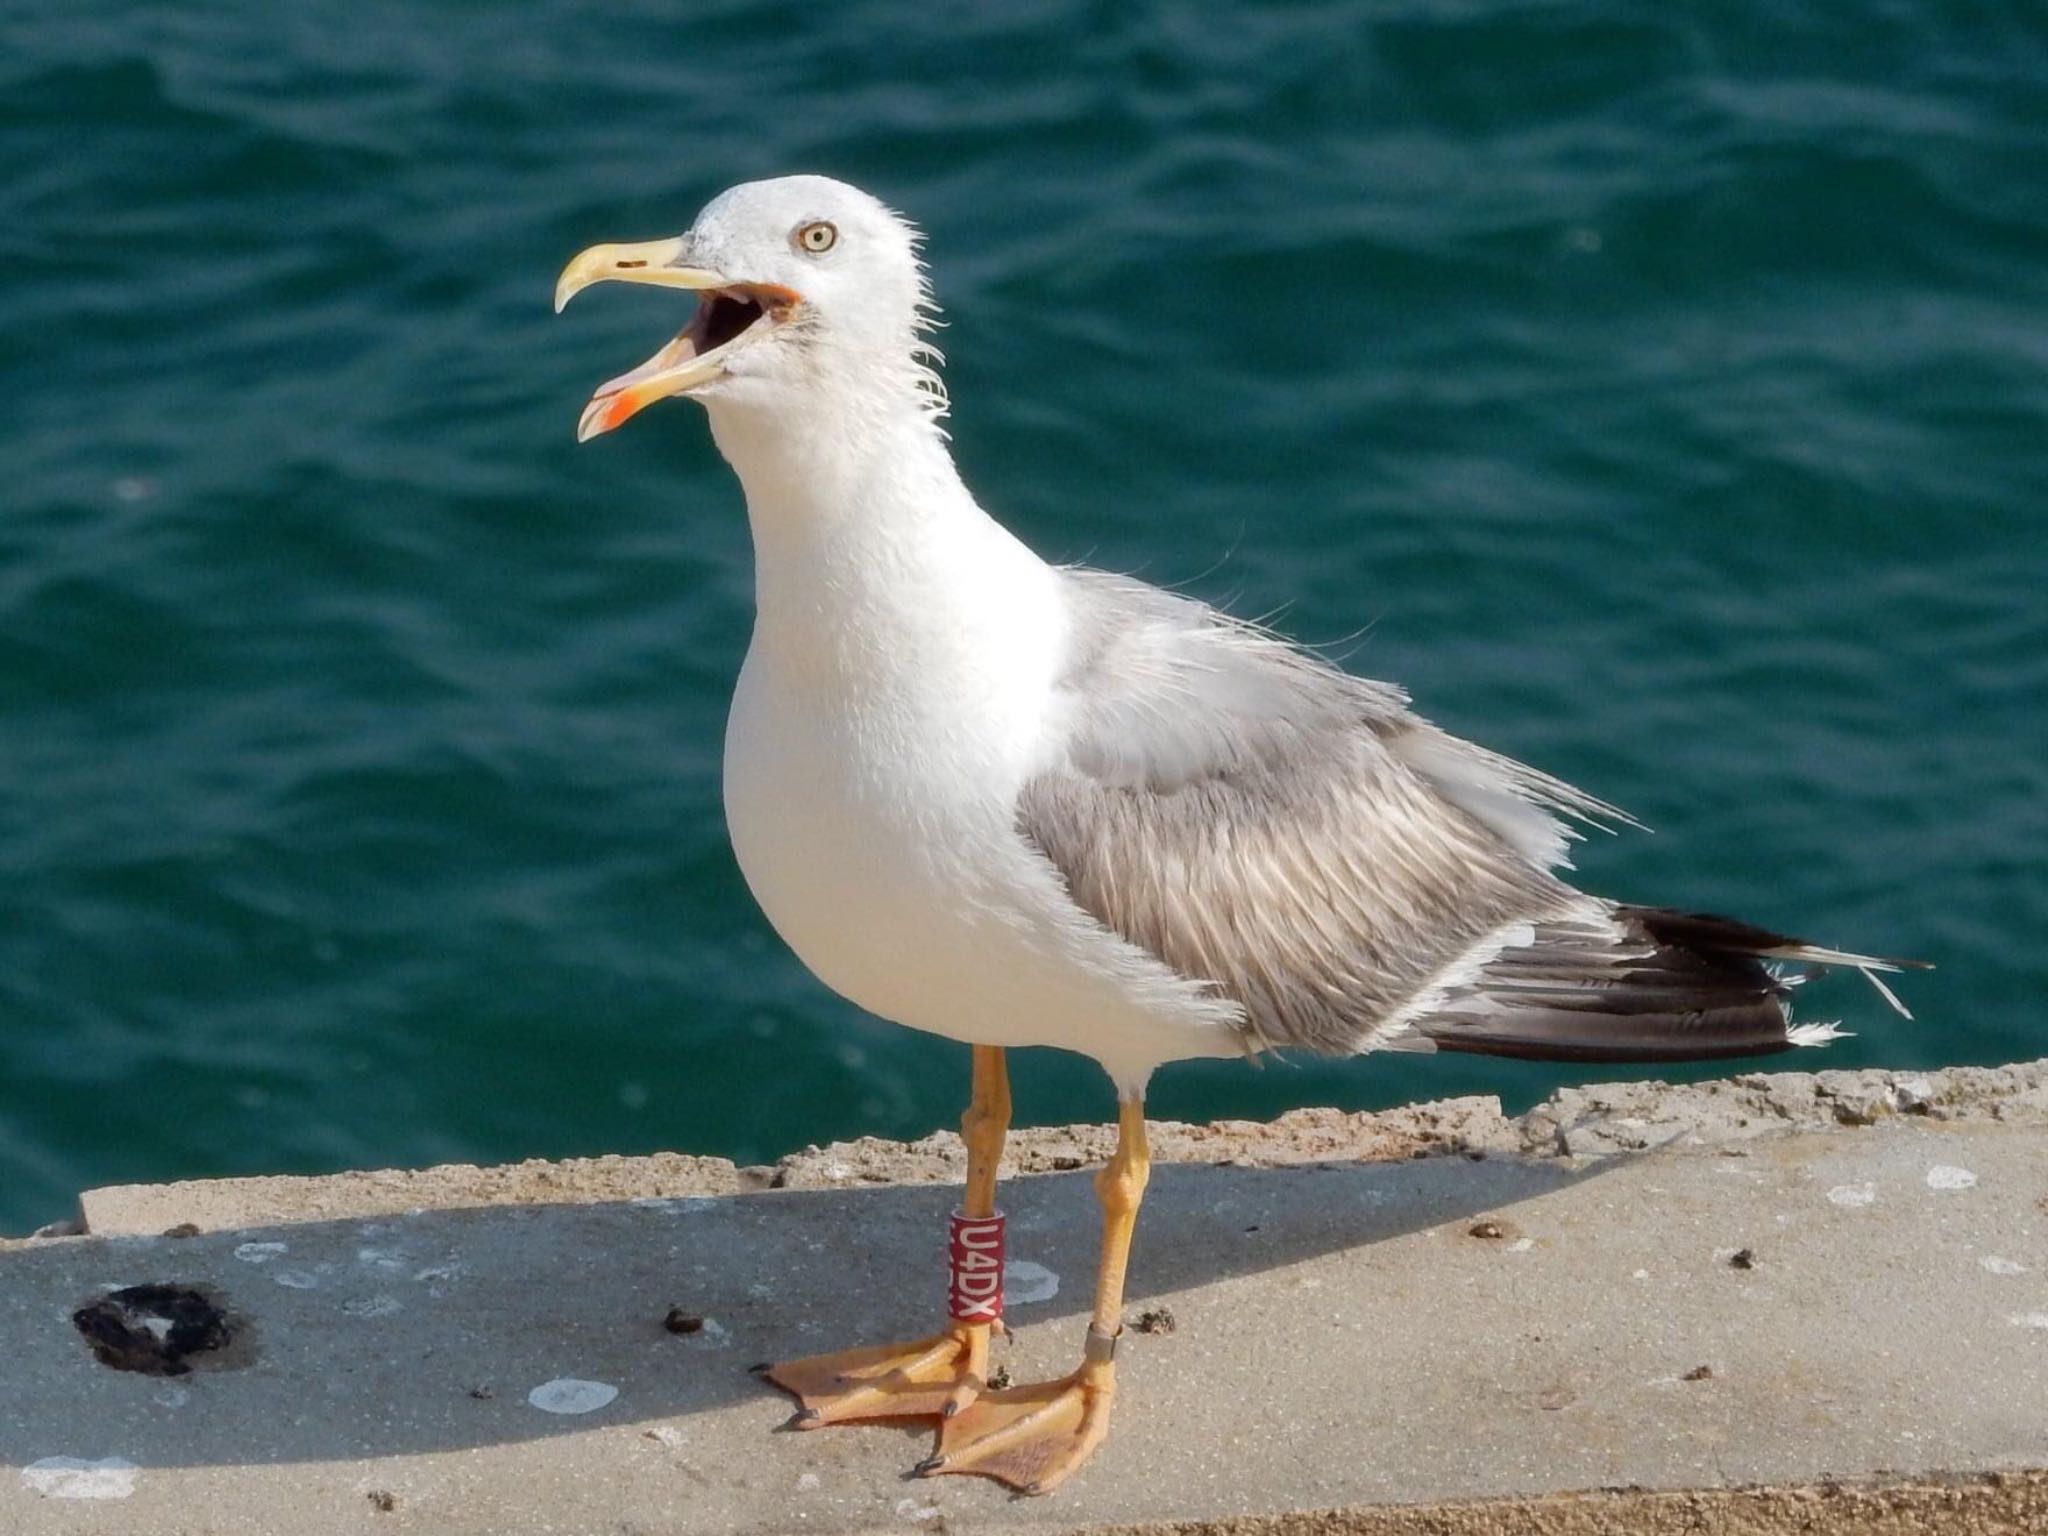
1290,834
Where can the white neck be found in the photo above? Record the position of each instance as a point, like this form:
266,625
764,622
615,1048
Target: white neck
806,464
874,567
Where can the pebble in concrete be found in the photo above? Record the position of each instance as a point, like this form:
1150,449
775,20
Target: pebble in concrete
710,1334
565,1394
1850,1196
1944,1176
73,1477
260,1253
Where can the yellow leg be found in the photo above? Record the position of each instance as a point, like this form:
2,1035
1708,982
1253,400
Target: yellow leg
1033,1438
939,1375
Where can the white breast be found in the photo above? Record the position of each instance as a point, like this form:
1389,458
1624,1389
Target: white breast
891,706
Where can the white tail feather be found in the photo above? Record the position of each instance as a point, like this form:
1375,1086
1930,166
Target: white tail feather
1816,1034
1870,975
1820,955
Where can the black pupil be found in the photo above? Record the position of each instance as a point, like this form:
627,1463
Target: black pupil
727,319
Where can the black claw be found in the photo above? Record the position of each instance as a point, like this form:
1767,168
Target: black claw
928,1466
762,1369
949,1410
804,1416
1033,1490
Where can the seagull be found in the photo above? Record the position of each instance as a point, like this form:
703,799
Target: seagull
1017,803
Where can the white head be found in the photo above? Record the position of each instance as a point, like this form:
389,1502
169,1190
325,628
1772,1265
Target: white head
803,285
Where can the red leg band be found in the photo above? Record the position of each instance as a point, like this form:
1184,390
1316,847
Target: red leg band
974,1268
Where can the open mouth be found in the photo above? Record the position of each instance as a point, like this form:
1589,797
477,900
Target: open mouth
730,315
726,319
723,314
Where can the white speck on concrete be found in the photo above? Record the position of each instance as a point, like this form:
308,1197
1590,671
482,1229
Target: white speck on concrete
1641,1274
1521,1245
170,1395
380,1258
1998,1266
807,1482
1850,1196
73,1477
2029,1319
916,1513
666,1434
565,1394
433,1272
1025,1282
260,1253
297,1279
372,1306
1946,1176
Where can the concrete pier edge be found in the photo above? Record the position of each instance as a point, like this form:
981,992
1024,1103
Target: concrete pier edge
1775,1302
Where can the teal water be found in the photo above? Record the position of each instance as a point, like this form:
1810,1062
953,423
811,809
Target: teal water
1664,400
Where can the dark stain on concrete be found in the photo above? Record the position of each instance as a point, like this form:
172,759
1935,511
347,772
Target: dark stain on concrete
157,1329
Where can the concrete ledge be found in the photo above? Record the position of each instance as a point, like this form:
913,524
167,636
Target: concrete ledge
1776,1303
1576,1122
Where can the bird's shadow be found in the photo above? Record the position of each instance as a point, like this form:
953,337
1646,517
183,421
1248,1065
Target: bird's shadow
431,1331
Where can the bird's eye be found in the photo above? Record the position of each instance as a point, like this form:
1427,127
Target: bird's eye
817,238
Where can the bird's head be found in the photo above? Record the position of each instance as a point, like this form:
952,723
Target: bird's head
800,282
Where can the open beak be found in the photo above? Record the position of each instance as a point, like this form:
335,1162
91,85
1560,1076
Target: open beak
730,315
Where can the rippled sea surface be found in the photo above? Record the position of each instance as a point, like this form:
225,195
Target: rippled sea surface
1664,401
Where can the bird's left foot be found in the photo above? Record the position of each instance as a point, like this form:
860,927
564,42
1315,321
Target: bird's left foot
1030,1438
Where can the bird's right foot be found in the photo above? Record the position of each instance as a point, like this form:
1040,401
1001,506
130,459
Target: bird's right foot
937,1377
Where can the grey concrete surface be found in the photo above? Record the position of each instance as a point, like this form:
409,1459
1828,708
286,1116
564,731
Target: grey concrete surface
1347,1352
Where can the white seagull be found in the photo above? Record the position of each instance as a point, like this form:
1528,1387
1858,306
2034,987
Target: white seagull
1016,803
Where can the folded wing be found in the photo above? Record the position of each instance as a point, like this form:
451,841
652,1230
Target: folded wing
1350,875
